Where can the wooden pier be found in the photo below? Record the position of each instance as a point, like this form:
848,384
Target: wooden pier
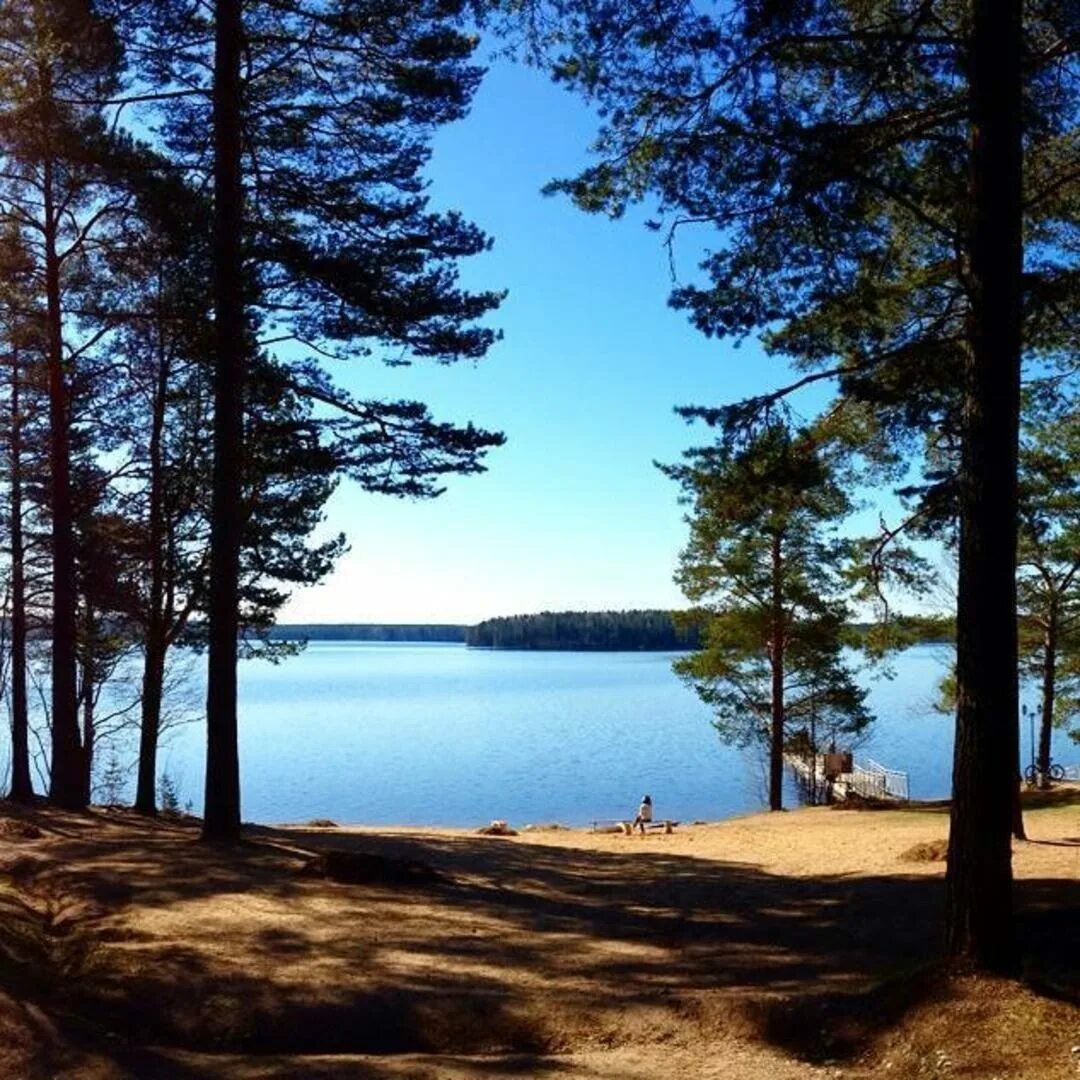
867,779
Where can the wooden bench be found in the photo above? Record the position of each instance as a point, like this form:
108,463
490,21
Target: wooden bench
664,823
618,825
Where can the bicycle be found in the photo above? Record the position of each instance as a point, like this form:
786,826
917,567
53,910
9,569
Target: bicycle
1054,772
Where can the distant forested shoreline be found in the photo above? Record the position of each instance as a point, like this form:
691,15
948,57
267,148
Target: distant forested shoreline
584,630
654,630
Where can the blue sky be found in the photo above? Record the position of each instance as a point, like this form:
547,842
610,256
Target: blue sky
572,514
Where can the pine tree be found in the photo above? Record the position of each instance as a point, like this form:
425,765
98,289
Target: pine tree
767,567
59,60
22,344
1049,563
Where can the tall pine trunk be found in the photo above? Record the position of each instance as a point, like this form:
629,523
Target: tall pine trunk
66,787
156,645
221,819
776,660
1046,718
153,683
979,907
22,787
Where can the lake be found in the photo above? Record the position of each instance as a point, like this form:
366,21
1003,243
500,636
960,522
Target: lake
411,734
445,735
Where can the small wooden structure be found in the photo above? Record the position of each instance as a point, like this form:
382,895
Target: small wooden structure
837,763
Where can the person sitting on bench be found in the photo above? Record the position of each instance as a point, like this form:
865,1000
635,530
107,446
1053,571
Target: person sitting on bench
644,815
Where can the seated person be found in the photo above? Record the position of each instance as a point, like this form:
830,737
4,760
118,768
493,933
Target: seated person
644,814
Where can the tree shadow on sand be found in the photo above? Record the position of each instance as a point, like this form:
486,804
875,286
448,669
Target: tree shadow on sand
519,948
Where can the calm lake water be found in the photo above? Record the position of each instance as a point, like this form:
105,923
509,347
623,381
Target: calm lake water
444,735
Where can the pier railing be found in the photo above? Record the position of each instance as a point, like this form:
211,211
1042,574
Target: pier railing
872,780
869,779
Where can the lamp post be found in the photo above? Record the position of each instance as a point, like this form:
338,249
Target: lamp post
1030,714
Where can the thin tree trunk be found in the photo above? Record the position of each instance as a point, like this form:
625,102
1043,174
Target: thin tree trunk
66,786
1046,719
153,681
776,658
221,818
979,908
22,786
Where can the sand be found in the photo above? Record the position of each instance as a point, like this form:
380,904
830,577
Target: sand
801,944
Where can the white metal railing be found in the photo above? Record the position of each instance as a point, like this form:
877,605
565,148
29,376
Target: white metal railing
873,781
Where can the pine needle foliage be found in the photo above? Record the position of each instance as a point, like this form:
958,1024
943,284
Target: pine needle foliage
770,572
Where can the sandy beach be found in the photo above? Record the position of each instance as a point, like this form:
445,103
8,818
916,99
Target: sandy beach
769,946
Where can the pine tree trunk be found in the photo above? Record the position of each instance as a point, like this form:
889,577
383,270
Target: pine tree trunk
1046,719
152,690
776,658
153,681
979,909
22,787
221,819
66,787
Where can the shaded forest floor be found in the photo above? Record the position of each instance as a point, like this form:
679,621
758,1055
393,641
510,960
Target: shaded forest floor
772,946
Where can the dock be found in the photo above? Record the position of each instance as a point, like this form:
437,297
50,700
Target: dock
867,779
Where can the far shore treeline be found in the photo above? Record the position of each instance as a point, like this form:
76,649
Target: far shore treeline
598,630
613,631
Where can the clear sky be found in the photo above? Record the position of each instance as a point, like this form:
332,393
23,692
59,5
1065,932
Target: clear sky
572,513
